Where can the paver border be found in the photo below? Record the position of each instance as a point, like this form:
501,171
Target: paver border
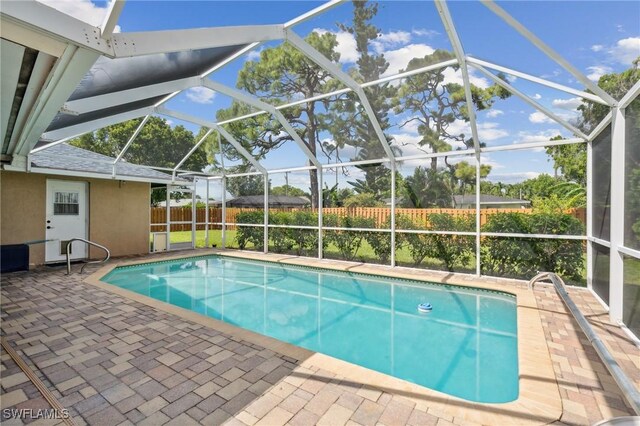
538,400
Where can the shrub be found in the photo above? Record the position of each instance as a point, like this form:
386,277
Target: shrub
347,242
380,242
452,250
250,234
563,257
278,236
417,244
304,240
522,257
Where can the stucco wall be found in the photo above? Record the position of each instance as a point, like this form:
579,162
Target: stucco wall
118,213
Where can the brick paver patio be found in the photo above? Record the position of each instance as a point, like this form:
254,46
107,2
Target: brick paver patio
113,361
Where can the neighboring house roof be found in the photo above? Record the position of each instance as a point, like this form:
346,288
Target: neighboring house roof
487,199
66,157
274,201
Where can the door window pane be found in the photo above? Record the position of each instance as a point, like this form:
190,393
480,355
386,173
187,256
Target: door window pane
66,203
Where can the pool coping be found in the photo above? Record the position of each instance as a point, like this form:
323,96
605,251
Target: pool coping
538,400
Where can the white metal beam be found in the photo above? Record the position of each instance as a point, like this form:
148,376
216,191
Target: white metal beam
530,101
616,261
250,100
111,18
192,150
146,43
538,80
447,21
56,25
313,12
445,16
512,22
601,126
206,123
131,139
81,106
62,81
633,93
346,79
90,126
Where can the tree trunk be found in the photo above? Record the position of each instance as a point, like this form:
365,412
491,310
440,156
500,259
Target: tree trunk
311,144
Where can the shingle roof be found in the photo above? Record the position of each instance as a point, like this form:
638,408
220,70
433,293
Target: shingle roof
67,157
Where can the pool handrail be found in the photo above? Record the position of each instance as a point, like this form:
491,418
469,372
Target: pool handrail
91,243
626,386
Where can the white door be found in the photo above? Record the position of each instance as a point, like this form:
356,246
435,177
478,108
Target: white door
67,218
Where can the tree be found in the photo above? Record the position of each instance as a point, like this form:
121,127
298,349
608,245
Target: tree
571,159
427,188
351,124
436,104
283,74
158,144
289,190
465,173
362,200
245,185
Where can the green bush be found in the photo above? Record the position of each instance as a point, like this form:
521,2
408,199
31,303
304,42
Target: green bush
250,234
452,250
305,241
347,242
278,236
523,258
380,242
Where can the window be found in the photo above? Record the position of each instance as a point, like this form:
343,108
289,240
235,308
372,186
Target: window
66,203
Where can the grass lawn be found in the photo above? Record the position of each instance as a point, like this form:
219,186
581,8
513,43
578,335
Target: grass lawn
365,253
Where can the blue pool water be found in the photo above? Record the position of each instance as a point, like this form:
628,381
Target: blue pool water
466,346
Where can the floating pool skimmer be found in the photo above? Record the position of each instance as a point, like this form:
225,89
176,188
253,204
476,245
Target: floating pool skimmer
425,307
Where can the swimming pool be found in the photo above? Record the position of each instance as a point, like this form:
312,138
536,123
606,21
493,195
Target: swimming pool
466,346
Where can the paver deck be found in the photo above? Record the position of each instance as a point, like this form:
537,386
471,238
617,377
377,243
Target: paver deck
112,360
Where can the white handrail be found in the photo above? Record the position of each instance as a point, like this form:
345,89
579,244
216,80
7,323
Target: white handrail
91,243
626,386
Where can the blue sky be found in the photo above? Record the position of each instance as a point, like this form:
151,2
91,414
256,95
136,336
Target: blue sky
595,36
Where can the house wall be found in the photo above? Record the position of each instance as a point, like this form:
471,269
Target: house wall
118,213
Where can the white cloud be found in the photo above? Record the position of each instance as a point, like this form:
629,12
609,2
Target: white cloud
254,55
399,58
491,131
391,39
597,47
346,45
495,113
201,95
487,131
569,104
455,76
511,78
597,71
537,96
625,51
539,118
512,177
84,10
423,32
542,136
